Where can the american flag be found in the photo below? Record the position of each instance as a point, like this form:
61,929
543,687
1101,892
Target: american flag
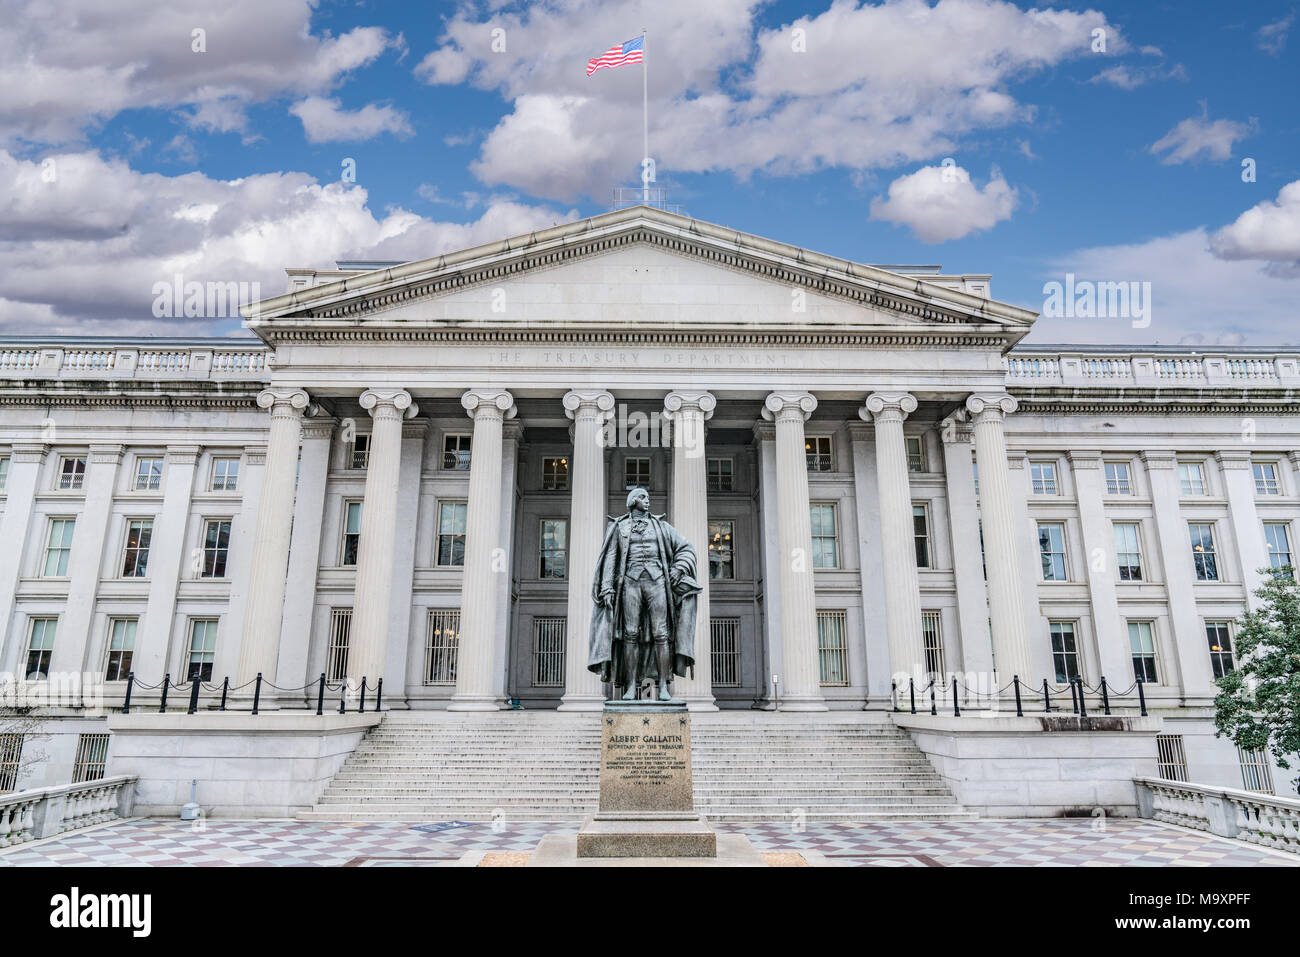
624,53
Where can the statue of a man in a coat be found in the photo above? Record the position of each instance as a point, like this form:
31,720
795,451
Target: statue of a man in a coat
645,592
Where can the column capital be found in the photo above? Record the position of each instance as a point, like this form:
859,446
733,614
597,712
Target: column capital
26,452
284,401
415,428
107,454
255,454
680,399
183,454
887,405
987,406
779,405
1159,459
1084,458
587,401
956,429
319,426
497,402
399,400
1233,459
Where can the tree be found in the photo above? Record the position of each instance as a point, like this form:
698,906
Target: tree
1258,704
20,734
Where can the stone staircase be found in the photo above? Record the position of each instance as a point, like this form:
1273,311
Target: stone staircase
544,766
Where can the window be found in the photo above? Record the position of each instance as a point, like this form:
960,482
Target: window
58,547
442,639
451,533
1278,543
817,449
72,471
1051,543
832,653
915,453
203,649
724,652
1142,644
1127,552
636,472
1265,478
456,451
359,451
1065,653
722,565
1171,759
824,537
1118,481
921,535
225,473
4,472
40,647
92,755
121,648
351,533
1043,477
336,656
216,547
148,473
548,652
932,643
555,473
1191,478
11,753
1255,773
135,563
552,548
1219,635
720,475
1207,568
975,475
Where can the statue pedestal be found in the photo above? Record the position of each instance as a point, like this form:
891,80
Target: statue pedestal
647,799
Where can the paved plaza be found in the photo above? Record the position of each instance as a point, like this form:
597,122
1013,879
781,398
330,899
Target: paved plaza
287,843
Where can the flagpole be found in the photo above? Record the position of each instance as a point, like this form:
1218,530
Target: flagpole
645,121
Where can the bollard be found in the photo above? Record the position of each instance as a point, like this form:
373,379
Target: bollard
1105,698
343,694
379,695
1142,700
893,694
1015,681
257,692
362,708
194,694
320,695
1047,701
911,691
1083,704
956,709
1074,698
162,702
225,690
933,709
126,702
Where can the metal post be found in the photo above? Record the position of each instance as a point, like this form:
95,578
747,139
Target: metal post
162,703
379,695
320,695
1015,681
1047,700
257,692
1083,704
893,694
362,709
343,694
1142,699
911,691
194,694
126,702
1105,698
225,691
1074,698
956,708
933,708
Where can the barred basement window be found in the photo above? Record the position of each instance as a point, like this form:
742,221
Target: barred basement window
932,643
1171,759
442,641
336,658
724,652
1255,773
548,652
832,654
92,755
11,752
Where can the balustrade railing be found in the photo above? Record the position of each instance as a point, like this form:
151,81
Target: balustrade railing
44,812
1261,819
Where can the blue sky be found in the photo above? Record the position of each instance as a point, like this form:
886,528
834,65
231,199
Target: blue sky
127,156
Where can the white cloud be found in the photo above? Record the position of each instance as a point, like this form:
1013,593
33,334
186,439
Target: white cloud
1199,136
66,65
1130,78
941,203
83,238
325,120
1268,232
1271,38
1194,293
877,86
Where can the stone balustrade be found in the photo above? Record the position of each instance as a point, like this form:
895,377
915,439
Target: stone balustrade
44,812
1242,815
1029,368
111,361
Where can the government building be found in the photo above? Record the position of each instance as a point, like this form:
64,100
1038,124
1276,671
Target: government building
406,477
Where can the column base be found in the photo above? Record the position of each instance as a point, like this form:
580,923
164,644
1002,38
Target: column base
803,703
475,703
582,701
701,703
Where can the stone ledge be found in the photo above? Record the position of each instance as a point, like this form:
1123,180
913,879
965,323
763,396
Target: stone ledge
242,722
974,723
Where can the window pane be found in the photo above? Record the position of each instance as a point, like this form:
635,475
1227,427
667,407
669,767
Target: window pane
721,551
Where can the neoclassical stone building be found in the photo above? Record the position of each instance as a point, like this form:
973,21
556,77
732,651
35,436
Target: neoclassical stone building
407,476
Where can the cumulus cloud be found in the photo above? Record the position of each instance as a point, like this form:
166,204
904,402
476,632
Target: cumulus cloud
325,120
1200,137
66,65
856,86
83,239
941,203
1268,232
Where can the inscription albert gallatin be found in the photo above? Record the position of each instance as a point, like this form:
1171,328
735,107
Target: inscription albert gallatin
649,758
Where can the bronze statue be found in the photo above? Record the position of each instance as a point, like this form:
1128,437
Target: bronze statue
645,592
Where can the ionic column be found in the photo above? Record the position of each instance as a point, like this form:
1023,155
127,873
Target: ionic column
587,520
801,671
1006,609
902,584
368,651
474,663
689,514
964,527
259,646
